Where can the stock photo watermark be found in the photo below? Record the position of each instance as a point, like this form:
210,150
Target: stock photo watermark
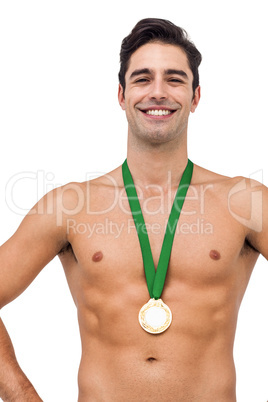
109,227
158,203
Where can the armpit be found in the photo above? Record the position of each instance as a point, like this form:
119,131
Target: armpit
67,250
248,247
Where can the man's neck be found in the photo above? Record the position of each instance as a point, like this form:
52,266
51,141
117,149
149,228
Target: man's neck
155,167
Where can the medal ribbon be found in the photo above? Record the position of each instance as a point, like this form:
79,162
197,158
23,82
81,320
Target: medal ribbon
156,279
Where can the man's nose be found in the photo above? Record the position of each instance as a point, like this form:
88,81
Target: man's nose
158,90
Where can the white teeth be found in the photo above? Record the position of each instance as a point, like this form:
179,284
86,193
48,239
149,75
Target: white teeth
158,112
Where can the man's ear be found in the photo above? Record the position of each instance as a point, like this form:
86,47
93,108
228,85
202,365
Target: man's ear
196,99
121,98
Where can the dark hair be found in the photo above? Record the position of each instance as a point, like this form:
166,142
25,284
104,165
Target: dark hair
158,30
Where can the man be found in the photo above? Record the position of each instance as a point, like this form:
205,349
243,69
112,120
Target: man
179,347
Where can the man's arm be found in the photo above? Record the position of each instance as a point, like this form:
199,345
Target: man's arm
14,385
258,212
38,239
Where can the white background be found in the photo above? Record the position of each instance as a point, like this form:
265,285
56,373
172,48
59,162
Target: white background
60,121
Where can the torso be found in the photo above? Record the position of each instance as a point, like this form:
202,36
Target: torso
210,266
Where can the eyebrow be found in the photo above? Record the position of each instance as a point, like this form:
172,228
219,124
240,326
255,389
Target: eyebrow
170,71
140,71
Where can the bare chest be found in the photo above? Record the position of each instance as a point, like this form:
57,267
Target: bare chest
206,278
206,250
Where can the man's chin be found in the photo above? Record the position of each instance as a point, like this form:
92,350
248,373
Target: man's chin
157,138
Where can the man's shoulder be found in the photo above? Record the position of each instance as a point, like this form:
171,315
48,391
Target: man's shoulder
229,183
238,193
104,183
96,194
96,184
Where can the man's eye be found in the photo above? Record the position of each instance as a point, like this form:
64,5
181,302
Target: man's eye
175,80
142,80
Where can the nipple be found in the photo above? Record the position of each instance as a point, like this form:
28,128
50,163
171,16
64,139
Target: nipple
98,256
214,254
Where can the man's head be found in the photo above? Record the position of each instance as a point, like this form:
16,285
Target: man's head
158,30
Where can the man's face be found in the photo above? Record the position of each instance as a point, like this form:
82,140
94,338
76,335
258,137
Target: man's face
158,94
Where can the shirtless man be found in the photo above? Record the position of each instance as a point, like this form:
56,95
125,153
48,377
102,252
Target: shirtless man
221,232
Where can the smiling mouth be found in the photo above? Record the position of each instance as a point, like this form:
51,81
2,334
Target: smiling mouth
156,112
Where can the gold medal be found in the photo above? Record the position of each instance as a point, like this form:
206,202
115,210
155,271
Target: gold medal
155,316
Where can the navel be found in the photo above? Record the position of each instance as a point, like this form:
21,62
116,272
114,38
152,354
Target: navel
151,359
214,254
98,256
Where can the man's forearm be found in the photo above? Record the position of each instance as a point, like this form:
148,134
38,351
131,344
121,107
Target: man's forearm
14,385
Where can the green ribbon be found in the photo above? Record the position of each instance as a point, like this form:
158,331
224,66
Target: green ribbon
156,279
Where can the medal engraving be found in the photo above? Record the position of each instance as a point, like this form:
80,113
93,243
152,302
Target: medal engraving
155,316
